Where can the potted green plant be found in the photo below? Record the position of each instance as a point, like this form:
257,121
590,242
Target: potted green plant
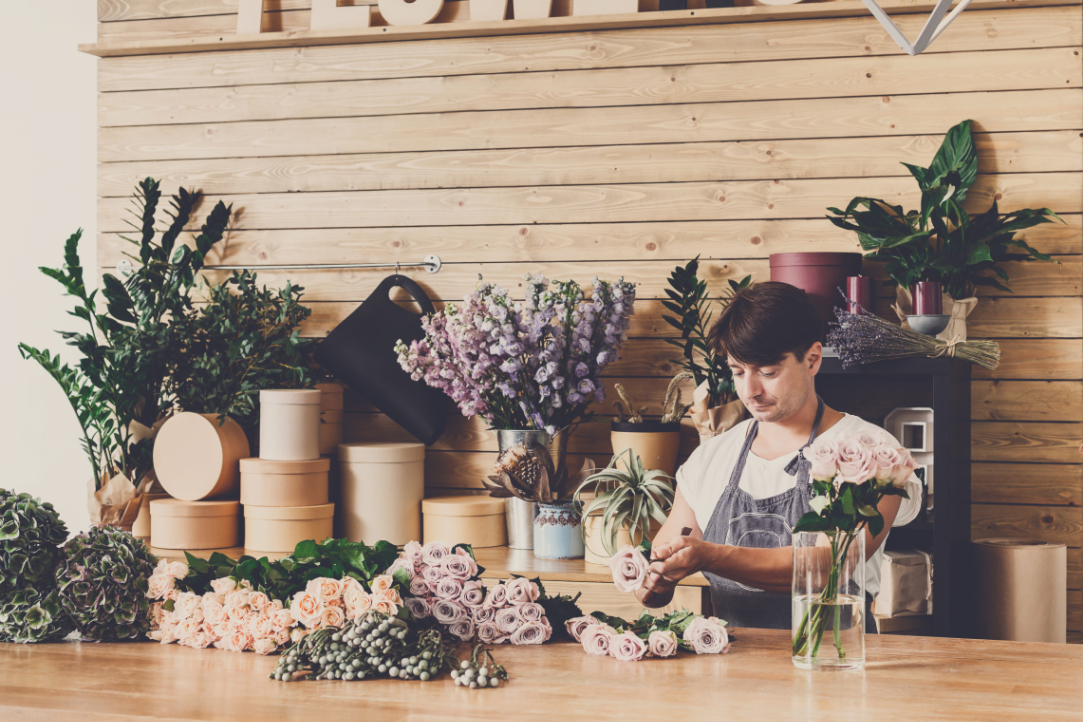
715,406
117,389
619,503
941,242
654,442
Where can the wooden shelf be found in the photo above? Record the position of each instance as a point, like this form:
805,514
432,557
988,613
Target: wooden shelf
304,38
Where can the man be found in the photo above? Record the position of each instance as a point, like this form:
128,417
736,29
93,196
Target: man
742,492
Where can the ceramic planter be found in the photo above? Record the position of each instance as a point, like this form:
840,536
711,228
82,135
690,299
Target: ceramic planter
196,457
557,532
284,483
655,443
178,524
289,424
381,487
278,529
474,520
819,275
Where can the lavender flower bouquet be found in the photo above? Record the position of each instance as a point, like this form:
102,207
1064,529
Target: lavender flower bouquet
534,364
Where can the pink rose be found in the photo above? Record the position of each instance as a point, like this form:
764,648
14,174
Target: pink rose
488,633
419,587
596,639
482,615
412,552
823,454
464,630
904,470
156,615
529,633
297,634
577,625
275,605
497,597
707,635
306,609
856,465
258,601
265,627
521,591
358,601
213,612
225,585
333,617
448,612
282,619
544,622
390,595
630,569
418,607
238,641
238,613
532,612
434,552
177,570
449,588
236,598
473,594
662,644
387,607
158,585
382,583
460,565
264,646
326,588
197,640
282,637
405,565
508,619
627,647
185,605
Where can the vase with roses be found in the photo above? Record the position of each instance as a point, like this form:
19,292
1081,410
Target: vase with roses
850,476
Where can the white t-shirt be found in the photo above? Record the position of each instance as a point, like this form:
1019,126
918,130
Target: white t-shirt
704,477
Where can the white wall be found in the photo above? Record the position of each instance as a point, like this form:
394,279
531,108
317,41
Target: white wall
47,191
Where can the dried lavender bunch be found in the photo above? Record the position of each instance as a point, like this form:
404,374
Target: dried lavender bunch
862,339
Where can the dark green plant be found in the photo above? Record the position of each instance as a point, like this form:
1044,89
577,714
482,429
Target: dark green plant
689,300
103,584
28,616
941,241
127,348
245,339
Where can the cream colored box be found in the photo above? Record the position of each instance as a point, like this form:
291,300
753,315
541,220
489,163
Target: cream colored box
382,485
284,483
289,424
179,524
280,528
474,520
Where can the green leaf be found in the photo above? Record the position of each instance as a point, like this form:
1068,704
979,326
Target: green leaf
305,551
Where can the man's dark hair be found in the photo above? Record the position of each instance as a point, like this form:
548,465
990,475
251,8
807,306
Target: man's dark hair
765,322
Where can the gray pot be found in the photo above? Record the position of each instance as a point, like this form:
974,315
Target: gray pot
520,514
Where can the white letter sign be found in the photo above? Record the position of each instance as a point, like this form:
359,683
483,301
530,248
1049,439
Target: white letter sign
249,17
327,15
403,12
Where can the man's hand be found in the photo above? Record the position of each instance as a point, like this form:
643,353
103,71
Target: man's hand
670,563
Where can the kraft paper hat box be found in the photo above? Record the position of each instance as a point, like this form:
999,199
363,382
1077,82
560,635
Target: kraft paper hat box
475,520
381,487
284,483
278,529
906,584
289,424
179,524
142,524
331,403
196,456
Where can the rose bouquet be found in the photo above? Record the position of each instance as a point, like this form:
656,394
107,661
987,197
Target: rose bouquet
850,477
649,636
534,364
630,567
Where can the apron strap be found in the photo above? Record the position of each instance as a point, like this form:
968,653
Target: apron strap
795,464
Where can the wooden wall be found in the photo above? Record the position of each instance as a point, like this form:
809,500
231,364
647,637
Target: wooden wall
625,152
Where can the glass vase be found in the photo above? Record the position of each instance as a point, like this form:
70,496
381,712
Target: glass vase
829,600
520,514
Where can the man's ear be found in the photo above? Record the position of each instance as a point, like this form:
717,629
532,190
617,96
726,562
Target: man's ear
814,357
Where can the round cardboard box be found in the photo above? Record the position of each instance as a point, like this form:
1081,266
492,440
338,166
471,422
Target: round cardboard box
284,483
289,424
178,524
381,487
280,528
474,520
196,457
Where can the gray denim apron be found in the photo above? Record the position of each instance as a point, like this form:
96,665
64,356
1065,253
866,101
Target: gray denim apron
739,520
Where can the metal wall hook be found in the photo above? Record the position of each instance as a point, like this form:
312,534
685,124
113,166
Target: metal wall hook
432,264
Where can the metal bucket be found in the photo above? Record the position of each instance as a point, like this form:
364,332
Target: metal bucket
520,514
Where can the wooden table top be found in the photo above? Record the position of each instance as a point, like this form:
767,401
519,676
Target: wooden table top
906,679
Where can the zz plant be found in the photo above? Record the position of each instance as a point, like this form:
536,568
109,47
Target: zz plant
628,496
941,241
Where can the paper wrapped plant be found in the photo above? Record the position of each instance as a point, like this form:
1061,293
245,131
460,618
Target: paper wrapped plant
528,473
103,584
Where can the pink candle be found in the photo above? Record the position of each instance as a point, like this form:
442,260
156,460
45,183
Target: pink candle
928,300
859,294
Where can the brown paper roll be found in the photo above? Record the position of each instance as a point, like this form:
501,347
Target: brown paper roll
1021,590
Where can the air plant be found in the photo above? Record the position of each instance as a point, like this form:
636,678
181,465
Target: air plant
673,410
528,473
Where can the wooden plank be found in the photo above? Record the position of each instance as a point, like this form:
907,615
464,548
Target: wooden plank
1037,359
1026,400
1020,27
113,10
693,122
1026,442
645,202
180,38
1075,611
1056,524
1075,568
1046,484
761,160
665,85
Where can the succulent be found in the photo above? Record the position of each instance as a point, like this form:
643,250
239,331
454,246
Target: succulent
103,583
32,616
31,533
528,473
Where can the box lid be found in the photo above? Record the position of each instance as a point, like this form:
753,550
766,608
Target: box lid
379,452
269,466
292,397
177,507
462,506
289,513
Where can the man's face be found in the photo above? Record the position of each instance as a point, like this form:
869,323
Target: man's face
773,393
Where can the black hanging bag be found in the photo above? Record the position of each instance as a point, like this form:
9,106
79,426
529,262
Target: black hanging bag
360,352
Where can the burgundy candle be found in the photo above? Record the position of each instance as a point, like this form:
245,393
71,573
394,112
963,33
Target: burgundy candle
859,292
928,300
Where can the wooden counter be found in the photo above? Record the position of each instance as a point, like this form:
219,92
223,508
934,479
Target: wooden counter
907,679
